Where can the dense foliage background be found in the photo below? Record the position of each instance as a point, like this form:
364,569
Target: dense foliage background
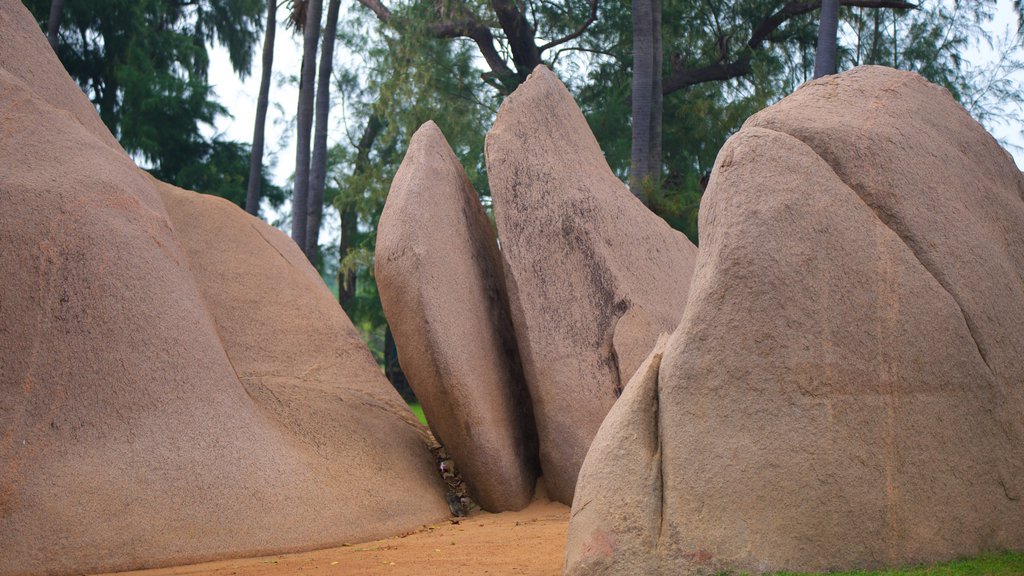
145,63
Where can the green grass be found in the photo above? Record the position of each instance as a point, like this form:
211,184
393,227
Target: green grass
418,411
1005,564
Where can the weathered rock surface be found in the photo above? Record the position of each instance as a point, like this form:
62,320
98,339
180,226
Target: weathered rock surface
440,279
593,276
846,387
176,384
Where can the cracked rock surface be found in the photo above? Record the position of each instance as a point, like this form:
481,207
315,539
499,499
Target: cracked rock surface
846,386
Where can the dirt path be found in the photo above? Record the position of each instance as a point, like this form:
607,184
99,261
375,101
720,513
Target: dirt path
530,542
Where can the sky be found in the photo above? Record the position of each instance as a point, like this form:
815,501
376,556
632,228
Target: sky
239,97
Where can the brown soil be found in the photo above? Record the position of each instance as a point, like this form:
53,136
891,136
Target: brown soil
530,541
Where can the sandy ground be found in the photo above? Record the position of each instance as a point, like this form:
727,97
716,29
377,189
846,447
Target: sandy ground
530,541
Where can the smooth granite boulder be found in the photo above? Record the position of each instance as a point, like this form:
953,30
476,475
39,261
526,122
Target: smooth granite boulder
439,274
593,276
176,382
846,387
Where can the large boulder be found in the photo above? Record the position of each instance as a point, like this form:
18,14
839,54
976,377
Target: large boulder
439,274
593,276
846,387
176,384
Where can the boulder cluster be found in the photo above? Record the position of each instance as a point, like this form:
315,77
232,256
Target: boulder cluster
843,386
517,354
835,380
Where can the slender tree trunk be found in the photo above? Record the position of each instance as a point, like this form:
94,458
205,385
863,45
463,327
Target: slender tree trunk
53,26
828,28
657,99
318,166
876,38
252,194
643,103
347,280
895,40
307,79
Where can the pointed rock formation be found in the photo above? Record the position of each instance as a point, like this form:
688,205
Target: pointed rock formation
593,276
176,383
441,284
846,387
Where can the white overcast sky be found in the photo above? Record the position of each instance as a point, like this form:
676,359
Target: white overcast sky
239,96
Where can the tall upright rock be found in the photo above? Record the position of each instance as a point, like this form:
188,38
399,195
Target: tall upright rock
176,383
846,387
593,276
439,274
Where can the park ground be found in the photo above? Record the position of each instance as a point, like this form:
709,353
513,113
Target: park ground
528,542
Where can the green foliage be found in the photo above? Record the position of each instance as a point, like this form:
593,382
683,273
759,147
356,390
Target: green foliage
1005,564
698,119
223,170
404,75
144,64
405,78
418,411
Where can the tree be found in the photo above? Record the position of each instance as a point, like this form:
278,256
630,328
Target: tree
304,120
459,19
252,194
347,210
222,170
825,55
53,26
722,62
318,165
394,82
645,163
144,64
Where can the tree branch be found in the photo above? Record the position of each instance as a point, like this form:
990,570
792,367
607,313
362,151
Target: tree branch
470,28
520,35
577,32
720,70
686,77
466,26
378,8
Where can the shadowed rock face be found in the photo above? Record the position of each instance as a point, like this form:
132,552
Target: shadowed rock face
846,387
593,276
176,383
441,283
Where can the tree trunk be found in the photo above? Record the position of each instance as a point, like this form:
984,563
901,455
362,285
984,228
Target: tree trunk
347,281
53,26
657,99
318,167
876,34
393,370
643,98
520,35
307,79
252,194
828,28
